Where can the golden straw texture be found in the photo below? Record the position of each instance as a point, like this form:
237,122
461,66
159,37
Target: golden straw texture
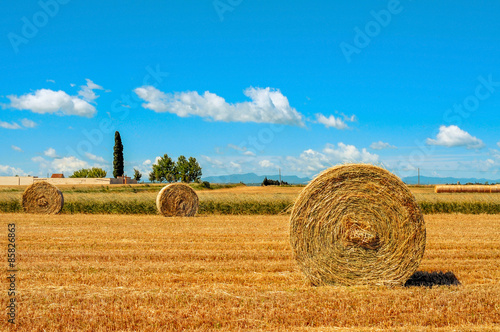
357,224
177,200
42,197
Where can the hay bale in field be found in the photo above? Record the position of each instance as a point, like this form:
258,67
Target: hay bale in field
42,197
467,188
177,199
357,224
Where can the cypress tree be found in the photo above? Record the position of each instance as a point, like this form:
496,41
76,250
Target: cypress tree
118,156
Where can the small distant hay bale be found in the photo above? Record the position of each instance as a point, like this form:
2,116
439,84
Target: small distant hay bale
42,197
177,200
471,188
357,224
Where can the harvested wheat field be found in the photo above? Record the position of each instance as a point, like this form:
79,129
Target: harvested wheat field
149,273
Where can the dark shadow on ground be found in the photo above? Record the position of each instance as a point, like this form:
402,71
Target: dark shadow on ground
430,279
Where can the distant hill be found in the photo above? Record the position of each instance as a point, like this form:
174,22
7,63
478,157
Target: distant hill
252,178
449,180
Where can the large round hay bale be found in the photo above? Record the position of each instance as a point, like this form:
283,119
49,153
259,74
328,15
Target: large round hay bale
357,224
177,199
42,197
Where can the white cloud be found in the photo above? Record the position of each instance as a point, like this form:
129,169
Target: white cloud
87,91
7,125
267,164
14,125
498,143
213,162
349,153
49,101
381,145
308,162
11,171
311,161
28,123
51,81
235,147
66,165
234,165
331,121
452,136
50,152
144,168
94,157
266,106
16,148
351,118
242,150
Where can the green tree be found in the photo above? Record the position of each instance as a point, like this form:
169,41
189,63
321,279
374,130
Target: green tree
137,175
81,173
165,170
118,156
183,169
93,172
194,170
96,172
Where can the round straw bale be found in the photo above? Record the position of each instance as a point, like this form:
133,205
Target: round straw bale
42,197
177,199
357,224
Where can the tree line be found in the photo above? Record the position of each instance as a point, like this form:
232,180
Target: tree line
164,170
185,170
270,182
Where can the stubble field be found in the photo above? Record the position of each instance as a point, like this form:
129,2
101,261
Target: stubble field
225,272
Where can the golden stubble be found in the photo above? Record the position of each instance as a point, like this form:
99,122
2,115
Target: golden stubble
107,272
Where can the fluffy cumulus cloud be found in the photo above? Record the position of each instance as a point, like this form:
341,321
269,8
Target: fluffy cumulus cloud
266,106
381,146
311,161
50,152
59,102
53,163
335,122
6,170
66,165
349,153
267,164
452,136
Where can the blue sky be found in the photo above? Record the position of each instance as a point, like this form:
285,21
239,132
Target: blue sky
251,86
